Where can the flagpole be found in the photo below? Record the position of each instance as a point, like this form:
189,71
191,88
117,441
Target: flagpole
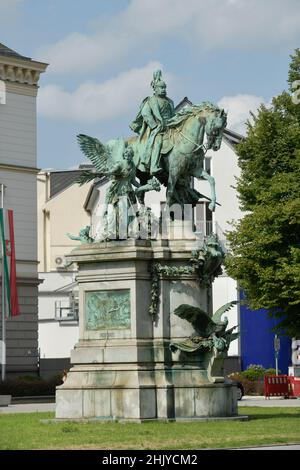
3,355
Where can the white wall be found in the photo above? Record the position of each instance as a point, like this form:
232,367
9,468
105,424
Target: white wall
225,290
65,214
18,147
55,287
18,173
57,341
55,280
18,130
20,195
224,168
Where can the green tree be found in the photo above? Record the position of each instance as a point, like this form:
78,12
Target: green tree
265,244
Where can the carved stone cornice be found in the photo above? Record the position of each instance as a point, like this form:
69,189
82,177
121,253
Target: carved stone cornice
20,71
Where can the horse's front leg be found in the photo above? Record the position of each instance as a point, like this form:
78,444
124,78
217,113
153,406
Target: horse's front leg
171,186
140,194
202,174
211,180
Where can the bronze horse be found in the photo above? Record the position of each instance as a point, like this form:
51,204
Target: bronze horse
183,152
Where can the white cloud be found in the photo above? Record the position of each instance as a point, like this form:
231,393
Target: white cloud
206,24
121,95
92,101
238,108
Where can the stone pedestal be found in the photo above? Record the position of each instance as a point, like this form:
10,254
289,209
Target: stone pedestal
123,367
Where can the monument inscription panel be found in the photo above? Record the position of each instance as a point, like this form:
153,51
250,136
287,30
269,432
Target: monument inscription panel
107,310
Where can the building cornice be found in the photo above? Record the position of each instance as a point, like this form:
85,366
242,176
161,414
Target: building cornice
27,261
19,168
21,88
20,71
28,281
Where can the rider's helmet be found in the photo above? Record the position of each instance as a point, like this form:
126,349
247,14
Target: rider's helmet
158,84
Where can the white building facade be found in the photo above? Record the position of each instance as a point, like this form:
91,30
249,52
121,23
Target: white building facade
60,211
19,78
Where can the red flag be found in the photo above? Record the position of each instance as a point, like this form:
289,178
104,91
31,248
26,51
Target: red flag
15,309
10,278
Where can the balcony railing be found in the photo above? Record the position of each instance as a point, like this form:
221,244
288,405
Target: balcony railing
207,227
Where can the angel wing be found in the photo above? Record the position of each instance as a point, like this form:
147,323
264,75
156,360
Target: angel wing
234,336
229,332
216,318
229,336
194,315
98,153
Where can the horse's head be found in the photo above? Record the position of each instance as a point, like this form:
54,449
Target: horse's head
215,124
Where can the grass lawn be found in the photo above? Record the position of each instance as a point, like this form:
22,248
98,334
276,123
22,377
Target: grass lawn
266,426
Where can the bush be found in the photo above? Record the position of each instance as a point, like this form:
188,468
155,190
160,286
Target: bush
253,372
271,371
26,386
252,378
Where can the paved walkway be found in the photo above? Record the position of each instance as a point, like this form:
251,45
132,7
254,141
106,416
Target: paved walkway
28,408
287,447
269,402
246,401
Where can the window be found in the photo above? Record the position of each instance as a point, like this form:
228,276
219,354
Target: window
203,218
207,165
67,310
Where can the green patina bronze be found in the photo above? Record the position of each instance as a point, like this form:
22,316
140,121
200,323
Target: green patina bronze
83,236
115,161
109,310
150,123
210,342
168,150
210,332
205,263
208,259
157,271
169,145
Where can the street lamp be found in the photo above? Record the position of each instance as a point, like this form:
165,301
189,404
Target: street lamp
277,349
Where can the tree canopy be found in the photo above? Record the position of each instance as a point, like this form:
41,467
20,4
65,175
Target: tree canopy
265,244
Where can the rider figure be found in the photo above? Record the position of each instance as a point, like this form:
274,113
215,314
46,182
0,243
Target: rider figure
151,122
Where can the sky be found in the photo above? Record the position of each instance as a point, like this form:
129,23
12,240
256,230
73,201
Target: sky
102,54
